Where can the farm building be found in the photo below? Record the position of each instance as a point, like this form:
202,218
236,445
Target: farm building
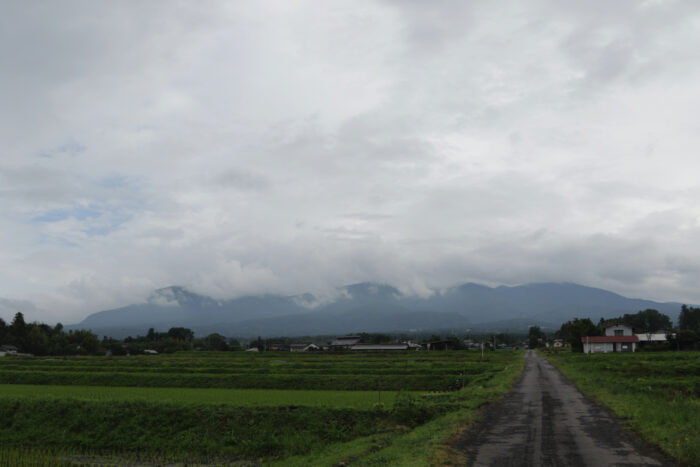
8,350
380,347
303,347
656,337
557,344
344,342
617,338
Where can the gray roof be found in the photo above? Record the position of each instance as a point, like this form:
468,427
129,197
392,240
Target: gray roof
346,340
379,347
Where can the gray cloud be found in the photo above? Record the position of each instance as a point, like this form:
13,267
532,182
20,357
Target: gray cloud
286,147
9,308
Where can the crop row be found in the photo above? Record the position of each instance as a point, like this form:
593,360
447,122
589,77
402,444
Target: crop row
246,433
242,381
232,397
196,358
257,370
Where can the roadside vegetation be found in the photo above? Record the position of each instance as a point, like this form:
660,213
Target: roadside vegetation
657,394
399,408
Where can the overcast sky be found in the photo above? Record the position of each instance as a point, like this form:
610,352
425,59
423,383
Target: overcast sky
293,146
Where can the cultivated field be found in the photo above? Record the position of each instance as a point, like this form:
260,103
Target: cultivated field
658,394
235,407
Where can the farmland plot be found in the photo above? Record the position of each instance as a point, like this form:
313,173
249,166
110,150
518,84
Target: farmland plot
295,409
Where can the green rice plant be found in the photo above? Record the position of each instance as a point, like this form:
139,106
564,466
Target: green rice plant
232,397
181,430
194,407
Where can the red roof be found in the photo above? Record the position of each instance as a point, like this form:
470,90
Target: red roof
601,339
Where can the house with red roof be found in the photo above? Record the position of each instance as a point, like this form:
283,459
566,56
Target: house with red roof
617,338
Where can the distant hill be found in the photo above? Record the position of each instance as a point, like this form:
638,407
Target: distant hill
369,307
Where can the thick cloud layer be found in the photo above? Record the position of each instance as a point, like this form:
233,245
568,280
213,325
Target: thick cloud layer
297,146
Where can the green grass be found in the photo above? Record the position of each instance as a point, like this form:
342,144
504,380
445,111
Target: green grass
657,394
233,397
310,425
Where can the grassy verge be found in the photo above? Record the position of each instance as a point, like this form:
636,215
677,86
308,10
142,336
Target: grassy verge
656,394
428,444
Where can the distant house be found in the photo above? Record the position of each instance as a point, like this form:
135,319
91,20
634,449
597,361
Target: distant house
617,338
379,347
303,347
8,350
413,346
559,343
277,347
344,342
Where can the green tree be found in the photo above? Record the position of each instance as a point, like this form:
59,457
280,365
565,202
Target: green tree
573,331
84,341
684,340
37,340
181,334
535,337
648,321
18,330
689,319
215,341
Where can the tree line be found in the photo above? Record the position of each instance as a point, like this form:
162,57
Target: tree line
41,339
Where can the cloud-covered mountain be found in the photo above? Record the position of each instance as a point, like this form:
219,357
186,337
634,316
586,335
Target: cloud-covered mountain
369,307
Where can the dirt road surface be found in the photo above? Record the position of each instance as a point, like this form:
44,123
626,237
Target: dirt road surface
546,421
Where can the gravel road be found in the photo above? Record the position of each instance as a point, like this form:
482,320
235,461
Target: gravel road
546,421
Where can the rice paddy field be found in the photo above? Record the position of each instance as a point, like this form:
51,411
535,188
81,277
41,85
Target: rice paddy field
238,408
657,394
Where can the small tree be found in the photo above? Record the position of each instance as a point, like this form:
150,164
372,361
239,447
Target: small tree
689,319
535,337
573,331
215,341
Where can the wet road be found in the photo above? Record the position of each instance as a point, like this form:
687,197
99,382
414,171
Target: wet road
546,421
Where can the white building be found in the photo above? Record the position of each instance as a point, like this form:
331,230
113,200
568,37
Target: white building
655,337
617,338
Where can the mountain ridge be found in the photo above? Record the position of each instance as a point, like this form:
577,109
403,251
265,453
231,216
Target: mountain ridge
369,307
